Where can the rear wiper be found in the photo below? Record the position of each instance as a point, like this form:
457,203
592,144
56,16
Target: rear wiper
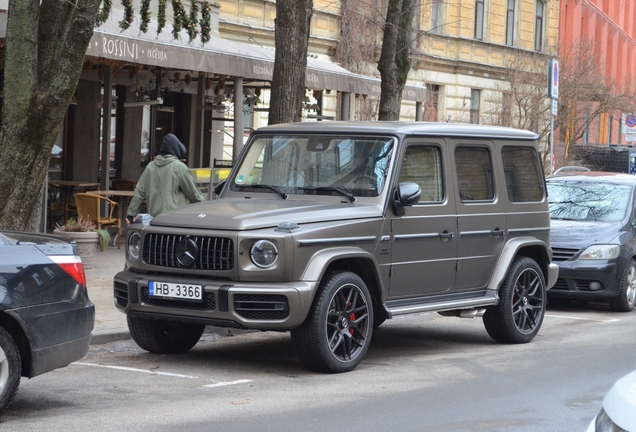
265,186
343,192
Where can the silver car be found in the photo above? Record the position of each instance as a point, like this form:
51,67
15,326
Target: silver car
327,229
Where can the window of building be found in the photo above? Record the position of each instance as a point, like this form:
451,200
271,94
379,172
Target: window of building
479,19
538,26
474,173
423,165
523,174
475,104
511,10
436,16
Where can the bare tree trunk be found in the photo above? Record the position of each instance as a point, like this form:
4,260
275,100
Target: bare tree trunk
42,67
395,61
293,19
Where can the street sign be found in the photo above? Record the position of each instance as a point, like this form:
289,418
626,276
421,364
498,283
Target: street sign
555,106
553,79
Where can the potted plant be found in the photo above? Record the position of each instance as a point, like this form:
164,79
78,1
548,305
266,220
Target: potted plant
86,236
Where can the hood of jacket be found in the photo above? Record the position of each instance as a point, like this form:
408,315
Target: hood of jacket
172,146
163,160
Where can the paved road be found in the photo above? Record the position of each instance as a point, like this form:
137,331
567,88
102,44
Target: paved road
422,373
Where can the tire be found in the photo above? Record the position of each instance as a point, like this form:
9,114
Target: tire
627,294
337,331
10,369
164,337
522,302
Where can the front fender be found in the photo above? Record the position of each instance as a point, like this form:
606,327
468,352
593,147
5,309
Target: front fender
321,260
507,256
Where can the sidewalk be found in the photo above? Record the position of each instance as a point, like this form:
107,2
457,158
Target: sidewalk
110,324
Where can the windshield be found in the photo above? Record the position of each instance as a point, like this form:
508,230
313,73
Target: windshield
588,200
349,166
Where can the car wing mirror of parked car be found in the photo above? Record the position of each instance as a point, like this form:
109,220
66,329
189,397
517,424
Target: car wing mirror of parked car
406,194
219,187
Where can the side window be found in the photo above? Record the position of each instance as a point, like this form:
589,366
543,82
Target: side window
474,173
423,165
523,174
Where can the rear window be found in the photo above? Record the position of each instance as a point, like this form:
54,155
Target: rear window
524,179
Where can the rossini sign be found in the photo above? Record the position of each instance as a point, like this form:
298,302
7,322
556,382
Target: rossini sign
126,49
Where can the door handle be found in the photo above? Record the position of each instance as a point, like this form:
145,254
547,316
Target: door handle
446,235
497,232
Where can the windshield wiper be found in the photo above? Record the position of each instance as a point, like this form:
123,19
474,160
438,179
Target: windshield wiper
343,192
265,186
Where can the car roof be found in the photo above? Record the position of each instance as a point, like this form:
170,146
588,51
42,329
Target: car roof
401,128
595,176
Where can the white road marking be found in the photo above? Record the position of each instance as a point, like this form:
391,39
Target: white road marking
129,369
582,319
222,384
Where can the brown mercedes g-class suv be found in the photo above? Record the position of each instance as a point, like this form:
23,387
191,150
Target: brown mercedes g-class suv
327,229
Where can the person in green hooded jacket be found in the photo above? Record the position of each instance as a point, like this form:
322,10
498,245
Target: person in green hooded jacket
166,182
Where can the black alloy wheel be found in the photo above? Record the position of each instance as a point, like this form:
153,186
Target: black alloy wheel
522,302
337,332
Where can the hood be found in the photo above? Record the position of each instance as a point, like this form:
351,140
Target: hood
162,160
242,214
170,145
580,234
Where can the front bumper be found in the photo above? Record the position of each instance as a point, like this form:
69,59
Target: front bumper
577,278
261,306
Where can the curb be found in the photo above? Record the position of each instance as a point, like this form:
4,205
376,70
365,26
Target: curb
102,337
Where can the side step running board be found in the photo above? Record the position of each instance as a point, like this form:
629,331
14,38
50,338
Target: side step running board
442,303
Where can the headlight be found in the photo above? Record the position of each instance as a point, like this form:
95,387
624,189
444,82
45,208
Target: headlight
601,252
605,424
134,244
264,253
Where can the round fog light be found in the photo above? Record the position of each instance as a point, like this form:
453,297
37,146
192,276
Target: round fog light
595,286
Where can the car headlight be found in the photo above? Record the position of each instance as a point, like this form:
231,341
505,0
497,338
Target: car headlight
601,252
264,253
134,245
605,424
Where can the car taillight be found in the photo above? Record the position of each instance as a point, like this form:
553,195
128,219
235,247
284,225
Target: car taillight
71,264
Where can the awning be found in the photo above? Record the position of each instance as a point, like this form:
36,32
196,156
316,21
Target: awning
222,56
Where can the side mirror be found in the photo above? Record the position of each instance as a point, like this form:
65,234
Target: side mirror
406,195
219,187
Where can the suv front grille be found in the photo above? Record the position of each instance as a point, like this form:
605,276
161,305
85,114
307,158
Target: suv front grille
261,306
209,302
215,253
563,254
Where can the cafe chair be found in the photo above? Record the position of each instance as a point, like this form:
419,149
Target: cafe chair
124,184
88,207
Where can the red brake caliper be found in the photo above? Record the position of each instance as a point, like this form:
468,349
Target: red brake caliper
352,318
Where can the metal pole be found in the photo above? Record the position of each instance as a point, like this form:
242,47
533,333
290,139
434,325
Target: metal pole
238,118
551,141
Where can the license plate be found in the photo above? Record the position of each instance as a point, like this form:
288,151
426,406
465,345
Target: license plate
175,291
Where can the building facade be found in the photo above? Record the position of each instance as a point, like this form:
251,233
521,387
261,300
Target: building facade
601,35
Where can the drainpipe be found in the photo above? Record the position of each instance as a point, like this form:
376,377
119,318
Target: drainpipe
238,118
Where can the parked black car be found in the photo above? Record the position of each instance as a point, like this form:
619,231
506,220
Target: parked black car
592,237
46,317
